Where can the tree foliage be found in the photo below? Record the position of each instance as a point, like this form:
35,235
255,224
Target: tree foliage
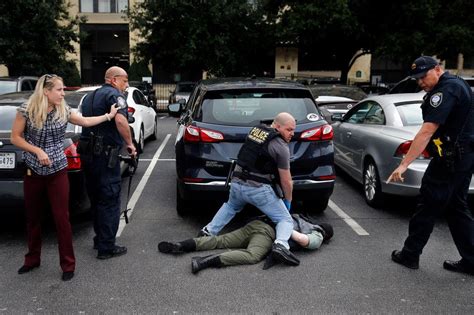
35,36
221,37
233,37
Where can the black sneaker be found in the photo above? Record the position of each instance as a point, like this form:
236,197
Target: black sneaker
117,251
68,275
204,232
169,248
458,266
400,258
281,254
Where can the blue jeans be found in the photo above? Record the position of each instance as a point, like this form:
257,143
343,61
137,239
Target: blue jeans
265,199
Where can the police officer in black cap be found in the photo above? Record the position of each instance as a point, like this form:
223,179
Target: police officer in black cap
99,148
448,134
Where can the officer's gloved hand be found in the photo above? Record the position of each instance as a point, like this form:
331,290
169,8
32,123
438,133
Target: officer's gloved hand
287,204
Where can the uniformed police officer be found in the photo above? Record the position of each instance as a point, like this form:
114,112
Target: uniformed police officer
262,162
100,148
447,133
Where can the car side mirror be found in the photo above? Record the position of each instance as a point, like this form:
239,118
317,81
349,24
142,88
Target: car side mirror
175,109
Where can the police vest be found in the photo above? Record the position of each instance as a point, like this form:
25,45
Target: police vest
254,157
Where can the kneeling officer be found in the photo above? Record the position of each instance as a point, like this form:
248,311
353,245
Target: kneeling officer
99,147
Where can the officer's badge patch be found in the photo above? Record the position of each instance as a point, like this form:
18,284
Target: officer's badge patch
121,102
436,99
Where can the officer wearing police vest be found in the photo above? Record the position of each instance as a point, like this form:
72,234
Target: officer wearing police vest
99,147
448,135
262,178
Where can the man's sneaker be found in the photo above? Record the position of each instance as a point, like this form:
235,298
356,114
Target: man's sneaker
204,232
117,251
169,248
400,258
458,266
281,254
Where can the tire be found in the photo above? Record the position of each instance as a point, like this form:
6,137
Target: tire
141,141
315,206
183,207
371,184
154,135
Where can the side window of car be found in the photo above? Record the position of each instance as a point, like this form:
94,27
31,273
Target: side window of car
357,114
137,98
26,86
375,116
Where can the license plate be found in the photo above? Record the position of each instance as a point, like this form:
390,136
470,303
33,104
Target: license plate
7,160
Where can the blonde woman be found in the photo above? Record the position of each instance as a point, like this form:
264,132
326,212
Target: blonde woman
39,129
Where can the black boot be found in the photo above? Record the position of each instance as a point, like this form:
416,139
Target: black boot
185,246
200,263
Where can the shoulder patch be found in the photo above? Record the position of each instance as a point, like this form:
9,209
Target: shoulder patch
436,99
121,102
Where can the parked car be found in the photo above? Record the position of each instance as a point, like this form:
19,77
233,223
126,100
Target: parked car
371,140
146,122
12,167
409,85
17,84
334,106
350,91
219,115
182,91
147,90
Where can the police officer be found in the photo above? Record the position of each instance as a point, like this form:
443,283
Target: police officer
447,133
263,163
100,149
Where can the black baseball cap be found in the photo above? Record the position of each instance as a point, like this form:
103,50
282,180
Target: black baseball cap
422,65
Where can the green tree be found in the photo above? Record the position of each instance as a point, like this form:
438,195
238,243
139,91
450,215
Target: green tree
225,38
35,36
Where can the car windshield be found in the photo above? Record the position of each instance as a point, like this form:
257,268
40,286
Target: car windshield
250,107
7,86
184,88
352,92
74,98
7,115
410,113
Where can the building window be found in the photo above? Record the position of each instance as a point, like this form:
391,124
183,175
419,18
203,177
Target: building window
358,74
87,6
103,6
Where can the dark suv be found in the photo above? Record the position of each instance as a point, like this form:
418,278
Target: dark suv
215,122
17,84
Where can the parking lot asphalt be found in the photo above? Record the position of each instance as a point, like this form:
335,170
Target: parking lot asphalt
352,274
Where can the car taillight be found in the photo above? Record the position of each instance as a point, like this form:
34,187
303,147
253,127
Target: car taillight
403,148
196,134
131,110
324,132
73,158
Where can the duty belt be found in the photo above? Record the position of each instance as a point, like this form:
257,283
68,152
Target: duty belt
247,175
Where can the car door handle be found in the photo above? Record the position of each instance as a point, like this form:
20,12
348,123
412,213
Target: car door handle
349,134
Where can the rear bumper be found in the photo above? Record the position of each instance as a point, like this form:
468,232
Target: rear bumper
302,190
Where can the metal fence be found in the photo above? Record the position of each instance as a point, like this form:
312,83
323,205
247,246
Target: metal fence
162,92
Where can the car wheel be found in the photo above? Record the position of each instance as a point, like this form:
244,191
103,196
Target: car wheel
314,206
141,141
372,188
154,135
182,205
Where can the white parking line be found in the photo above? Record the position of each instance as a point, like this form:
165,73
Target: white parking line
161,160
141,185
163,117
351,222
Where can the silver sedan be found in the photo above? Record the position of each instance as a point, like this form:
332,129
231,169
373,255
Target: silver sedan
371,140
